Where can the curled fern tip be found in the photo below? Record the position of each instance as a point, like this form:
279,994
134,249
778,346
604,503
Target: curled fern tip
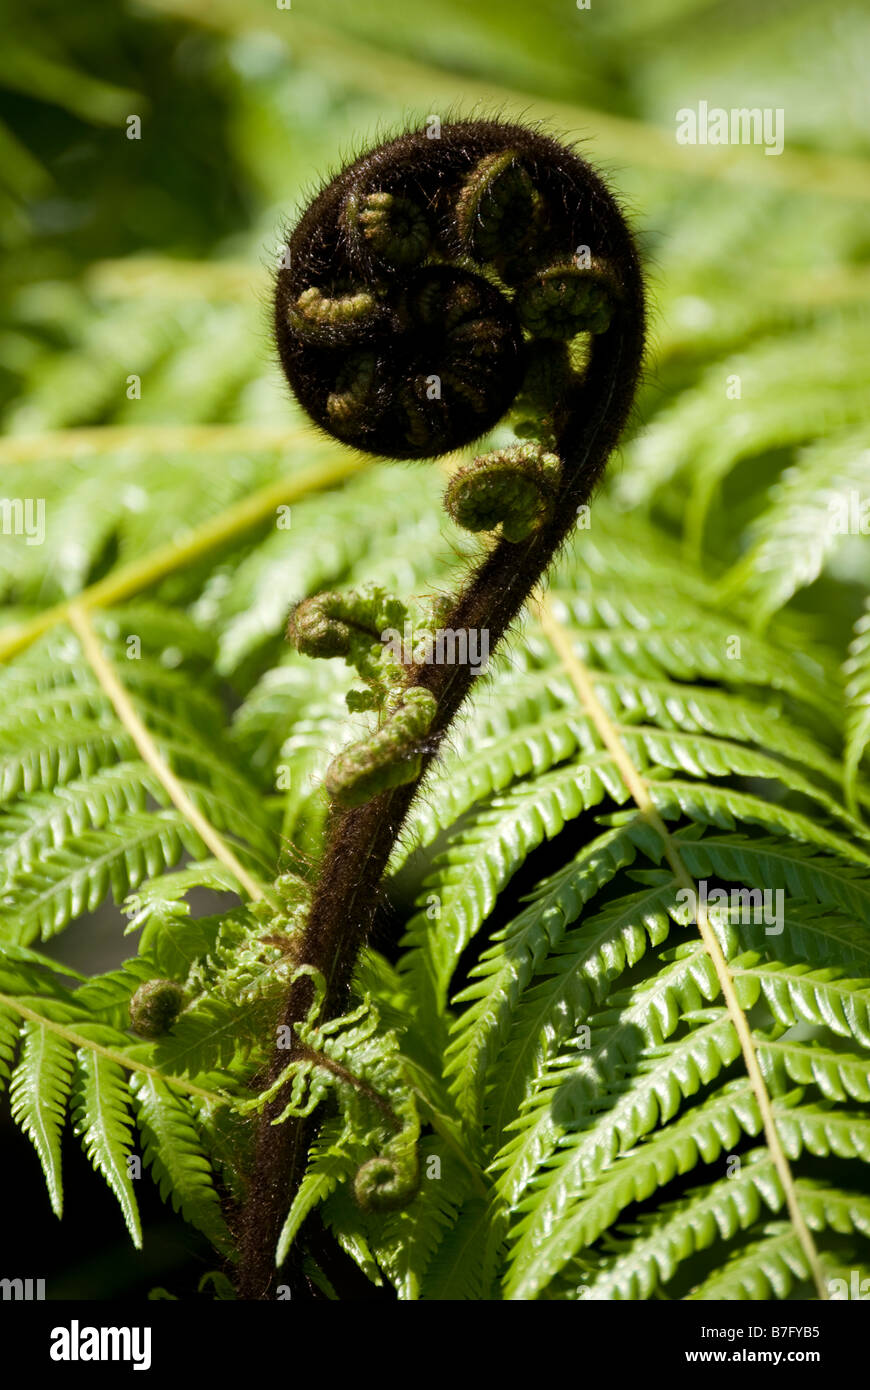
155,1006
433,282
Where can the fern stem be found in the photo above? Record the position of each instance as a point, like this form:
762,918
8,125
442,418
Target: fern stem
636,784
200,540
380,1102
112,1054
123,705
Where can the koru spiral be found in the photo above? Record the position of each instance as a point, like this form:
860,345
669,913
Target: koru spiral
436,283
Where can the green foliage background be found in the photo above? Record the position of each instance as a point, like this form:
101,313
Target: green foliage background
564,1168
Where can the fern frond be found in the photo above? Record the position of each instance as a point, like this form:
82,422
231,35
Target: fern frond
359,530
490,848
69,882
570,1221
412,1243
173,1150
795,386
803,875
857,672
808,515
540,742
838,1075
708,804
519,950
457,1269
212,1034
104,1124
686,641
39,1092
768,1268
641,1267
798,994
326,1170
646,1015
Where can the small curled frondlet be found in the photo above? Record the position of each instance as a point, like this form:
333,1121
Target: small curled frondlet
353,626
387,1183
515,487
155,1006
388,758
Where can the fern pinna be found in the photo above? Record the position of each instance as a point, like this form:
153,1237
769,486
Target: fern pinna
588,1017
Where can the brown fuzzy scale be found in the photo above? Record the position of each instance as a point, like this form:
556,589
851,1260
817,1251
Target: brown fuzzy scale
587,420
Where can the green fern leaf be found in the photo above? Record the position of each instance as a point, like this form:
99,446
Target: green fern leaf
768,1268
646,1015
805,521
103,1122
39,1090
491,848
857,670
174,1152
561,1222
507,967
